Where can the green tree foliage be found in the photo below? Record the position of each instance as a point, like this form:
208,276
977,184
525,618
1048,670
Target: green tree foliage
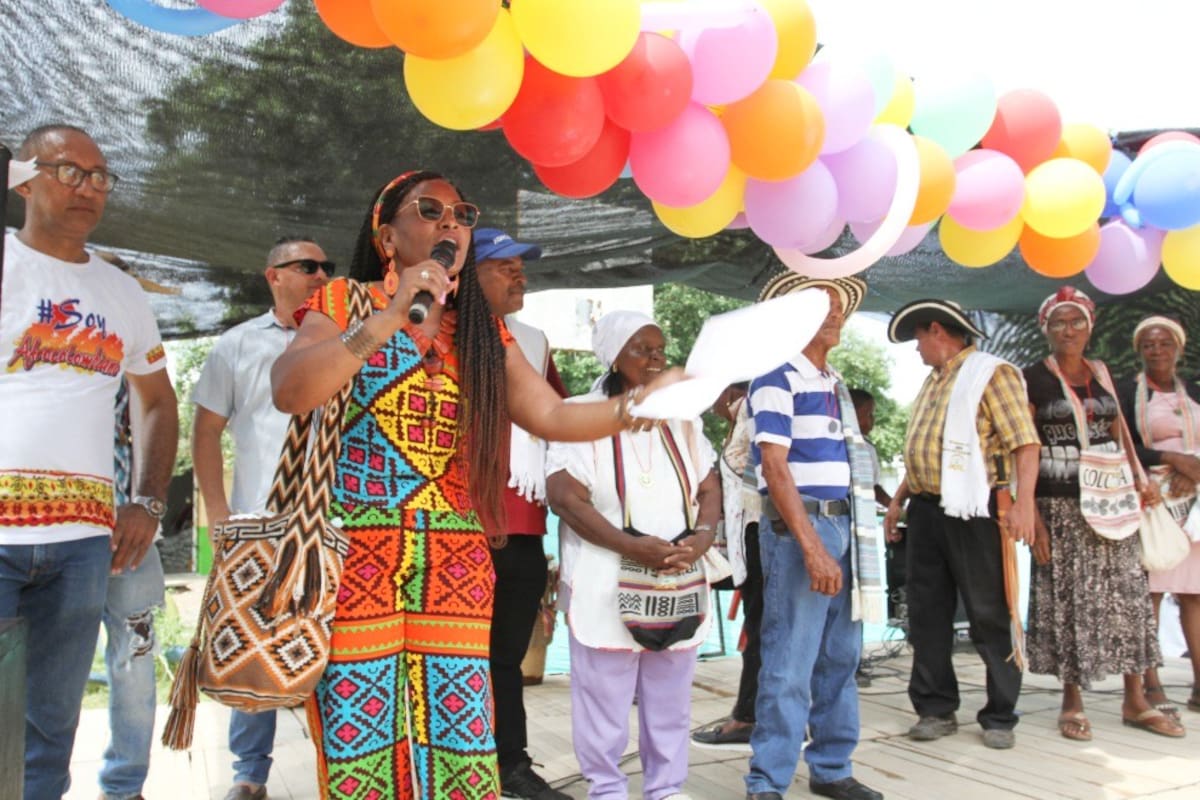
866,365
187,360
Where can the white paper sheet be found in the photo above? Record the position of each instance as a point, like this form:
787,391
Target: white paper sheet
739,346
21,171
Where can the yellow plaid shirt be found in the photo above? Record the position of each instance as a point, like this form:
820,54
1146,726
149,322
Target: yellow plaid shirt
1003,422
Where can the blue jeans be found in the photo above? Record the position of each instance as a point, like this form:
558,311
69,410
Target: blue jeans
251,739
129,660
59,589
810,651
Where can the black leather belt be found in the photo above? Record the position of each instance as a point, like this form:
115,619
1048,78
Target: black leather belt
815,508
929,498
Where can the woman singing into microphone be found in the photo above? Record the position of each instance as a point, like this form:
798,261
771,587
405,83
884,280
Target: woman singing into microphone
404,707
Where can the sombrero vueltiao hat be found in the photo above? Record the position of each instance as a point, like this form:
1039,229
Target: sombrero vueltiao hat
905,321
850,290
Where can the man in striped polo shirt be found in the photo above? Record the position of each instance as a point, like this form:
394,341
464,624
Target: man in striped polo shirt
810,643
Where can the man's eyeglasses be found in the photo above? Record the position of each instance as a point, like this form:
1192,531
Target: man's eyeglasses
1060,325
309,266
433,209
71,174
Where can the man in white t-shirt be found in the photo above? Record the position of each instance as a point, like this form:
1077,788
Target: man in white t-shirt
71,327
234,391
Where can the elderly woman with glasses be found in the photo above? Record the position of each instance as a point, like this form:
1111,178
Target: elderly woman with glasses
404,707
1164,417
1089,606
652,498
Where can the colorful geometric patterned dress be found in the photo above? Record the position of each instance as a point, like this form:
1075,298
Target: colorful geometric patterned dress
404,709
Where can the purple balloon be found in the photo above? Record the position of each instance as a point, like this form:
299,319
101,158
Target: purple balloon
1117,164
825,238
684,163
844,93
794,213
866,179
730,63
912,236
738,223
989,189
1128,257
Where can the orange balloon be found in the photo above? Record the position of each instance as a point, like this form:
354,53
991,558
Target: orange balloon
353,21
776,132
1087,143
1059,258
937,182
430,30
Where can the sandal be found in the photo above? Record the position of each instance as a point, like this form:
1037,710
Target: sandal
1165,706
1074,725
1155,721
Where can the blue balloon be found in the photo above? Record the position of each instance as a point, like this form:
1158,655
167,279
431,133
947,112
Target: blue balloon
1167,192
1116,168
179,21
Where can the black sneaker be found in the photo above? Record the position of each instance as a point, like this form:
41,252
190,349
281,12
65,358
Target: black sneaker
522,782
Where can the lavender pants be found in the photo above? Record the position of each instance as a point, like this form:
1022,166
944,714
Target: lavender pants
603,686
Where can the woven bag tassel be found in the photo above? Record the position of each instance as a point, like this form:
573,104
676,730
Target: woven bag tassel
177,735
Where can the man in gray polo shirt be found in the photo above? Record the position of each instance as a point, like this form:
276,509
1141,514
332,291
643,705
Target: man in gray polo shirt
234,391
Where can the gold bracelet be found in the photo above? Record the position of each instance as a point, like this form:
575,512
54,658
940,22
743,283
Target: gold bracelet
359,342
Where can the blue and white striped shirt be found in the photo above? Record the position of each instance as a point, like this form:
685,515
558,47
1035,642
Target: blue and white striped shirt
796,406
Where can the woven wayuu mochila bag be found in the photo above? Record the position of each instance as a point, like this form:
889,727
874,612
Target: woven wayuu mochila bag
262,640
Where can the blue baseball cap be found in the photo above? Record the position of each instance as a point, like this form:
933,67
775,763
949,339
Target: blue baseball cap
495,243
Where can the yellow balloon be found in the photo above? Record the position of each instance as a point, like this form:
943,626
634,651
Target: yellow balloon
711,215
1063,197
578,38
471,90
899,109
1181,257
978,248
797,33
1087,143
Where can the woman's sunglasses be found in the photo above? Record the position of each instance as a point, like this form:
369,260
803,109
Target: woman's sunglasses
309,266
433,209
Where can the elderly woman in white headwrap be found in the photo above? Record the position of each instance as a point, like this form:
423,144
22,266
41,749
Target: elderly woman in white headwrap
1163,411
651,498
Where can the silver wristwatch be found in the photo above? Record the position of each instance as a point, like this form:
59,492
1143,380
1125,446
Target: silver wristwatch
154,507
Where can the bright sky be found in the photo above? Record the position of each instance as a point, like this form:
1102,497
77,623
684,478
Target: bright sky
1117,65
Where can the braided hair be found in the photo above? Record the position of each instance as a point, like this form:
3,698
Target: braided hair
481,356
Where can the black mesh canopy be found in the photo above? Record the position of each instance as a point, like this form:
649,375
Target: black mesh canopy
228,141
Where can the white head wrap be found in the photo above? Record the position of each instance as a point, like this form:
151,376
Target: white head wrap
613,330
1171,326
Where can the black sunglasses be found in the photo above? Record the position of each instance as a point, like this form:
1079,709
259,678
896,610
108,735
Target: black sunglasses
309,266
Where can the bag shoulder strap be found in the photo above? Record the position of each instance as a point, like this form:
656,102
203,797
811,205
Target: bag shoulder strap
677,464
1069,395
293,474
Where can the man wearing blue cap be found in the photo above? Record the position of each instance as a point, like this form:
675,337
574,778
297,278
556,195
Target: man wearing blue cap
520,562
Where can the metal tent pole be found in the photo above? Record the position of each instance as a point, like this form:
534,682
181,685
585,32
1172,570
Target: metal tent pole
5,158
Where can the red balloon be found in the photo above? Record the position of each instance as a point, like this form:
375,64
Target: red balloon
650,87
1168,136
1027,128
555,120
596,171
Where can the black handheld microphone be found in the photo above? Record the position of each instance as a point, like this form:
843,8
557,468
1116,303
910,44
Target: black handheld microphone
443,253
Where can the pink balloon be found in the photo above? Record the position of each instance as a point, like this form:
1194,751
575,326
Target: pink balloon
794,213
844,93
683,163
730,63
866,179
739,222
1128,258
240,9
912,236
988,192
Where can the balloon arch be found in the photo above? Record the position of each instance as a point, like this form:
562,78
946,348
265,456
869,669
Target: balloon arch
725,114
